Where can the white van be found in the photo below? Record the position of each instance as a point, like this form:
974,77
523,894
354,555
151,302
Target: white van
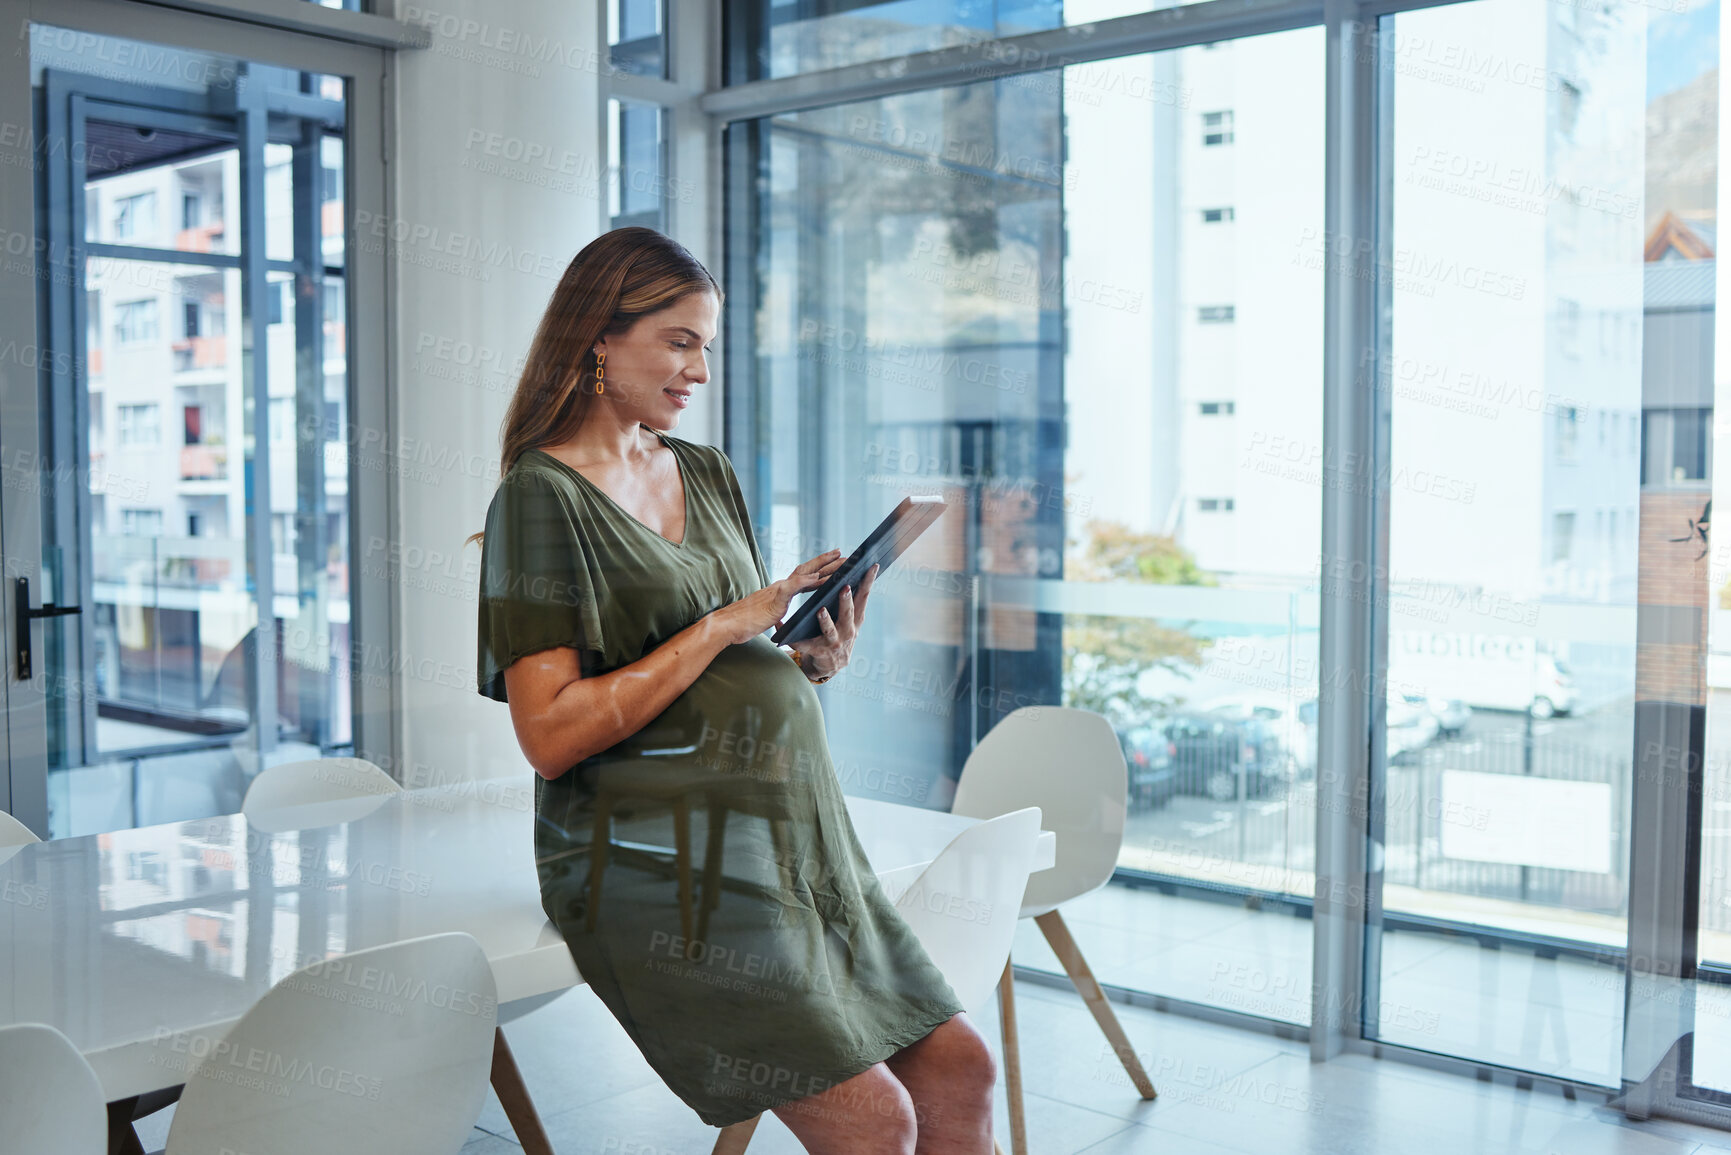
1486,671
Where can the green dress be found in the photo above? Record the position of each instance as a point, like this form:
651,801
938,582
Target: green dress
703,871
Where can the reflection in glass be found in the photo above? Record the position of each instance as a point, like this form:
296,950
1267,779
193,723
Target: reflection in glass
951,299
637,36
782,40
154,687
1550,391
637,189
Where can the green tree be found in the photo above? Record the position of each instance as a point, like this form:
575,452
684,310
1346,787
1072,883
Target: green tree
1105,657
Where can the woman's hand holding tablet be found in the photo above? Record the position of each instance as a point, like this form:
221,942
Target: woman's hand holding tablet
881,547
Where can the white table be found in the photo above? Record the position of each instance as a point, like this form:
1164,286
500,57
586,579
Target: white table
152,941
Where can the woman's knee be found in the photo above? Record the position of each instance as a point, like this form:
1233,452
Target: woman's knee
955,1056
972,1055
873,1103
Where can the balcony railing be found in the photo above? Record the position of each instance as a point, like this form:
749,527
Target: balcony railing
197,240
204,463
200,353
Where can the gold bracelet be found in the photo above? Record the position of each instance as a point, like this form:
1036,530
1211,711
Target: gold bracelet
798,660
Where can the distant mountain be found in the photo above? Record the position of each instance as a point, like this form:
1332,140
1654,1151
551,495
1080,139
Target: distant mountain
1683,151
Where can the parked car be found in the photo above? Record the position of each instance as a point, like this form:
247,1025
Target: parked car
1451,714
1413,721
1148,754
1291,725
1304,752
1226,757
1409,727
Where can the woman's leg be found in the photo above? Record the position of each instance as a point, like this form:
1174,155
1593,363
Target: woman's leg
950,1075
869,1114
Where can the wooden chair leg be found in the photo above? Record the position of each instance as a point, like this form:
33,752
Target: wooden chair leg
783,848
734,1139
598,844
1051,924
682,859
1012,1063
122,1139
710,898
514,1097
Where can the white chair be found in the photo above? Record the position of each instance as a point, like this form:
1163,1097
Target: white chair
313,781
14,832
50,1099
384,1049
987,864
328,782
1069,763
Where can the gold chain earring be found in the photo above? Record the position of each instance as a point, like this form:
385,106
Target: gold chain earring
600,359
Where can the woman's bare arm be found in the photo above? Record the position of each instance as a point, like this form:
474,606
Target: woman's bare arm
561,717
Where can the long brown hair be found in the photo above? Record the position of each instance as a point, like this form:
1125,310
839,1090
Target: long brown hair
617,278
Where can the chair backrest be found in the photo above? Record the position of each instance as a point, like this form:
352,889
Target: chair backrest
14,832
315,780
50,1099
965,905
385,1049
1069,763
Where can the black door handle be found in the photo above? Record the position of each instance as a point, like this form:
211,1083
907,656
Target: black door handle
25,616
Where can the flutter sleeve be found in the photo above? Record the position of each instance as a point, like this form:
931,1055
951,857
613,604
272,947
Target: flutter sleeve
537,580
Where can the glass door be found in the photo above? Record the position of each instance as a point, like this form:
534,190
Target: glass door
191,618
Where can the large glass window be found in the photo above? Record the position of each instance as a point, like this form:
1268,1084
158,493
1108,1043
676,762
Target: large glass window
1085,303
1552,285
783,39
1011,294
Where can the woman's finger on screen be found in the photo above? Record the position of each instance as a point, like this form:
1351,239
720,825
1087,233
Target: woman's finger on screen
865,591
817,563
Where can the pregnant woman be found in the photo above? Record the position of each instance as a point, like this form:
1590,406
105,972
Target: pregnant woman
691,837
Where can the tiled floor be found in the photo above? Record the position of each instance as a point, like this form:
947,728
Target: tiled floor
1222,1090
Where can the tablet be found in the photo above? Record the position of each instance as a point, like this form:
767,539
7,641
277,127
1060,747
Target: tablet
881,547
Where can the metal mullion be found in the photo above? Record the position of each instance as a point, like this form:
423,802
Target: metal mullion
360,28
81,554
994,58
149,106
303,106
1172,1005
693,159
262,661
1475,1068
370,302
936,160
142,106
309,512
1353,601
1371,10
603,122
257,32
745,437
649,89
161,256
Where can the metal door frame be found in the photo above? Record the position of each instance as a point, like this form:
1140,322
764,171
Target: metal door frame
369,304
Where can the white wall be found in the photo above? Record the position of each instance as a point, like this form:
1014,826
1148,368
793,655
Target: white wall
498,170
